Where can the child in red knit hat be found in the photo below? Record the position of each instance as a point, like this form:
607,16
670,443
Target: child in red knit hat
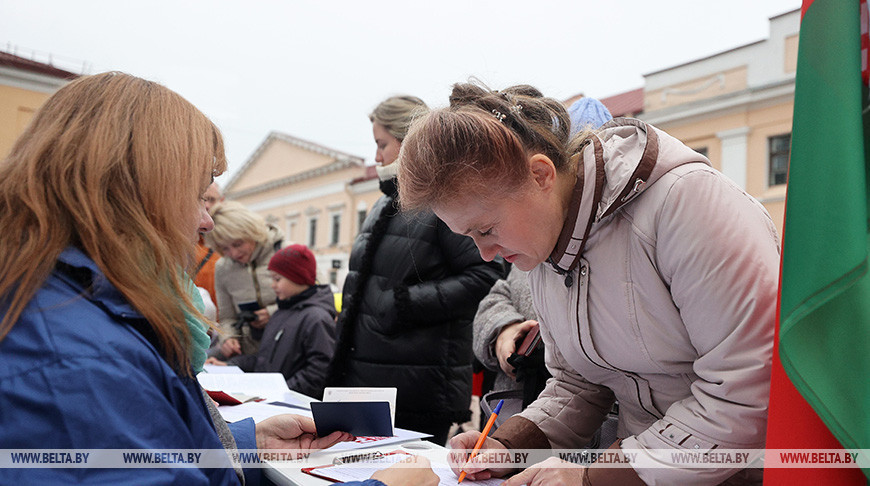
299,339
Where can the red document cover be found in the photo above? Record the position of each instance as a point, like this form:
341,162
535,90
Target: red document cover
224,398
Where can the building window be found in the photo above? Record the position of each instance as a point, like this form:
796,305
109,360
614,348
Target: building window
336,229
312,232
778,150
360,218
291,229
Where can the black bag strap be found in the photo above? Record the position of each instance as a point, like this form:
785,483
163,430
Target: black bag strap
202,262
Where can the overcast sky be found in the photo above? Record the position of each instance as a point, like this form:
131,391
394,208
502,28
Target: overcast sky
315,69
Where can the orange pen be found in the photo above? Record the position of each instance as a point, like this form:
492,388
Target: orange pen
482,437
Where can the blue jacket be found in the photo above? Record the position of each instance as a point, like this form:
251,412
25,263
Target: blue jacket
77,371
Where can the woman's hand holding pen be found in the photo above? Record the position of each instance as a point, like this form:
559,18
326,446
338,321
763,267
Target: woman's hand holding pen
462,444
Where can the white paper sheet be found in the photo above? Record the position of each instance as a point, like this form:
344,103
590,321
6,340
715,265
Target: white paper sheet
364,470
270,386
401,435
259,411
221,370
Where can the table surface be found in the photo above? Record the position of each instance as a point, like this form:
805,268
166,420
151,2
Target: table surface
289,473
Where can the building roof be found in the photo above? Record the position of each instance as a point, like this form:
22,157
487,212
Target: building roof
629,103
339,156
370,173
24,64
570,101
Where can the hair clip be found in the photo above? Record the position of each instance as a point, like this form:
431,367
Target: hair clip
516,109
498,115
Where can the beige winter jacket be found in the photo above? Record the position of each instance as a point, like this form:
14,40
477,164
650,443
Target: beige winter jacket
671,310
237,283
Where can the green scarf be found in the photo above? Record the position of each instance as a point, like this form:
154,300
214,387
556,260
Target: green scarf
199,338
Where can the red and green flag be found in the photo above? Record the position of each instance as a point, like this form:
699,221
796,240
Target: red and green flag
820,390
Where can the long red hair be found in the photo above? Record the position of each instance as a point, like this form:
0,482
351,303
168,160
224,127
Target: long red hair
114,165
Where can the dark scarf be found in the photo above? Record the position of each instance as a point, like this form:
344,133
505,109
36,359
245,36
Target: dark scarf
289,303
390,188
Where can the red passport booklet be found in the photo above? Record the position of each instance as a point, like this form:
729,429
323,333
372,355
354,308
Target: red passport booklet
224,398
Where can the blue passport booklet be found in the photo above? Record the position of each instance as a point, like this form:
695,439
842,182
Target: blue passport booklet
362,419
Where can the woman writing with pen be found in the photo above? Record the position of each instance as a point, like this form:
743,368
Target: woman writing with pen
654,277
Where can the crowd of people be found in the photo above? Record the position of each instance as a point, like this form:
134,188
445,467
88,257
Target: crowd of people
504,213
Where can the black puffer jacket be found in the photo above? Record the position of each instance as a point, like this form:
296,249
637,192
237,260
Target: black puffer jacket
408,304
298,341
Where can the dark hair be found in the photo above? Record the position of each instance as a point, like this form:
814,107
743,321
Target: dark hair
480,142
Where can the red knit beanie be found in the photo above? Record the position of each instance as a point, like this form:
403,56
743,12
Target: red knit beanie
296,263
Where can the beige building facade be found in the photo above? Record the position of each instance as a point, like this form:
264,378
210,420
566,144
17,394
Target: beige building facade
736,108
318,197
24,87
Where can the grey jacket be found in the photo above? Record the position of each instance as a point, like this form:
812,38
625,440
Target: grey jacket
236,283
671,311
509,301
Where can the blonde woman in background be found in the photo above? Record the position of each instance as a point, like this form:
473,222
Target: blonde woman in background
242,282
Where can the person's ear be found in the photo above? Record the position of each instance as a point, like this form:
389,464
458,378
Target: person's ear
543,171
